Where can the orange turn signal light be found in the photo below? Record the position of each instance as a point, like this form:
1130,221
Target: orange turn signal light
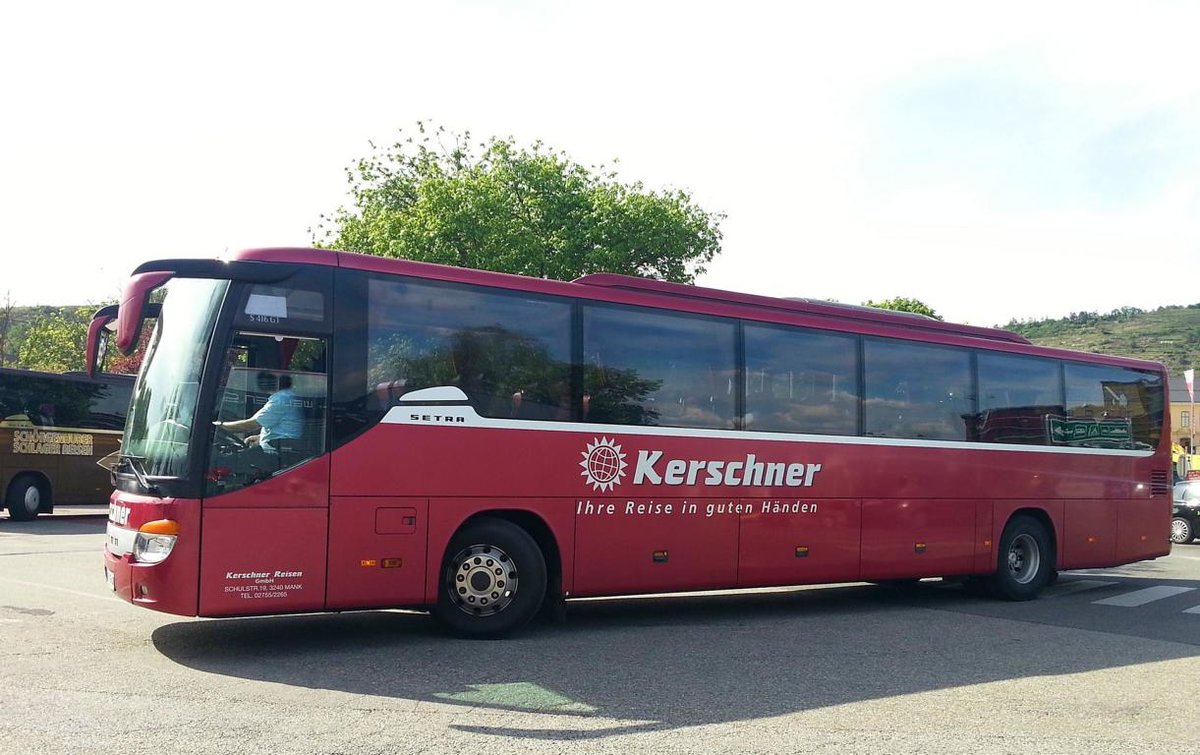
160,527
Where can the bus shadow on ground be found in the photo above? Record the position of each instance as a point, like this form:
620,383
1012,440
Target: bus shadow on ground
661,664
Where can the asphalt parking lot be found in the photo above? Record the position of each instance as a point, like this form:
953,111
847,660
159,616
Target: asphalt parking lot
1106,661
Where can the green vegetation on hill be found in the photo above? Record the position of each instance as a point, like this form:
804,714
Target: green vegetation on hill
17,323
1170,335
54,339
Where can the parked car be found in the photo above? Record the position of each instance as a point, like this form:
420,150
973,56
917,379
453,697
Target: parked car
1185,511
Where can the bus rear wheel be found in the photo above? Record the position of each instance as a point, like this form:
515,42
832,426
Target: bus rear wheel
1025,561
25,498
493,579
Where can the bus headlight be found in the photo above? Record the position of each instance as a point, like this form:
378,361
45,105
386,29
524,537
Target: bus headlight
155,540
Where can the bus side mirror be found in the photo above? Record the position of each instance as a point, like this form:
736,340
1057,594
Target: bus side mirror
102,327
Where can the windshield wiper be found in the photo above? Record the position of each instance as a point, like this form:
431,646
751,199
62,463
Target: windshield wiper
135,465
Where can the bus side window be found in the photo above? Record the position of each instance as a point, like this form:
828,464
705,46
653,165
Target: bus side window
917,390
659,369
801,381
510,354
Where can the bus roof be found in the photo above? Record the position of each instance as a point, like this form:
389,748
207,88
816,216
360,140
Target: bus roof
838,310
657,288
647,292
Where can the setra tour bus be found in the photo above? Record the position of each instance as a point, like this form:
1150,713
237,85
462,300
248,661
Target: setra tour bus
55,432
481,445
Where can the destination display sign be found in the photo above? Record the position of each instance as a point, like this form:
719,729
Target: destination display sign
1086,430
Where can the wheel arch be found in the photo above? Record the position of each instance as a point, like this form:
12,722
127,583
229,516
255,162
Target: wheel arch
1044,518
538,529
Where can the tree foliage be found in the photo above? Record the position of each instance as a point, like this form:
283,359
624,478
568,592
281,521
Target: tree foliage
436,196
119,364
6,323
56,341
904,304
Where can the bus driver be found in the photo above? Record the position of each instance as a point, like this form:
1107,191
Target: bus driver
279,420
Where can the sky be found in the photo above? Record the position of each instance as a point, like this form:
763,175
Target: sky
1018,160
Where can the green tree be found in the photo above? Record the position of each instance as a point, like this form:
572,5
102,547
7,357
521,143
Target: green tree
6,322
56,340
904,304
437,197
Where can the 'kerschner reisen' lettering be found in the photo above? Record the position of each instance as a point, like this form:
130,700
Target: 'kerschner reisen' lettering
652,470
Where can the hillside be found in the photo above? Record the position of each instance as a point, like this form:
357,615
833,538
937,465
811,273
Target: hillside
1170,335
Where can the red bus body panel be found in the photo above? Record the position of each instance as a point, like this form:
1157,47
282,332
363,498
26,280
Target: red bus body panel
173,585
377,551
773,550
265,545
342,532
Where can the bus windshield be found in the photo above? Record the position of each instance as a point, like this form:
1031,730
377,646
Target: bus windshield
163,410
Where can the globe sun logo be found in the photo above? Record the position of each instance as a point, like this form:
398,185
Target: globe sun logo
603,464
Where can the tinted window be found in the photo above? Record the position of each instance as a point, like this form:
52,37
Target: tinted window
643,367
916,391
510,353
38,400
1110,407
109,406
1018,396
801,382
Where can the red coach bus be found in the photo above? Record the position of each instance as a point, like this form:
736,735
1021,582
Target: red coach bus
480,444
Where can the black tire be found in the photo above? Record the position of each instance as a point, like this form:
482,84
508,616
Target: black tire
493,580
26,497
1025,560
1182,531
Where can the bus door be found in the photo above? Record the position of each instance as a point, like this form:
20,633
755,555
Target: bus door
266,496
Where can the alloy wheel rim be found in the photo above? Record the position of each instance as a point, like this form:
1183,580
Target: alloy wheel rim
1024,559
1178,528
482,580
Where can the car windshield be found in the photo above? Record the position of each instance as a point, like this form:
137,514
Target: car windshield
163,409
1188,491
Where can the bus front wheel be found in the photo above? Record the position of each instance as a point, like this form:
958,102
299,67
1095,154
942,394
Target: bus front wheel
493,579
25,498
1025,561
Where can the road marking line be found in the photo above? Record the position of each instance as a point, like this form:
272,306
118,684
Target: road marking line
1196,609
107,595
1077,585
1142,597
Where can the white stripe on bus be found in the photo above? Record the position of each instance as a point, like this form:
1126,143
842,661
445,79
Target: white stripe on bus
465,416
